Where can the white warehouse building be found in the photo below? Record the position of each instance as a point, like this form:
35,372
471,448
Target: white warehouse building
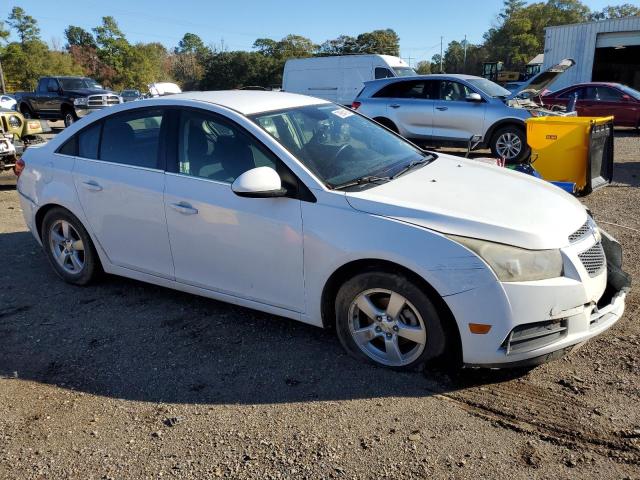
604,51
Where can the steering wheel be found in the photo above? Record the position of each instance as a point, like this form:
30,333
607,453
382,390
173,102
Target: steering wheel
340,151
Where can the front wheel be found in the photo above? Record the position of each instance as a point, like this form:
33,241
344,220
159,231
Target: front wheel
69,248
69,118
386,319
510,143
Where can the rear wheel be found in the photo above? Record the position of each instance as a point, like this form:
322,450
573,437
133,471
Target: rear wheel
510,143
69,248
386,319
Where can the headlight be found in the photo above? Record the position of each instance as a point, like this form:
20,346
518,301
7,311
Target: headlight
80,101
14,121
512,264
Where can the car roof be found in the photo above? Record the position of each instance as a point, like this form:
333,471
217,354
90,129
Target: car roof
431,76
249,102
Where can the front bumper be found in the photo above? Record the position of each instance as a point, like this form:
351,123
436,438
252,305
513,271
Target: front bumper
83,111
534,322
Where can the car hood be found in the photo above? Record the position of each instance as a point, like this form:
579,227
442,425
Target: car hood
542,81
85,92
468,198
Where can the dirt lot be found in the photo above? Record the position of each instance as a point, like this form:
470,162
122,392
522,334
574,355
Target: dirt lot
128,380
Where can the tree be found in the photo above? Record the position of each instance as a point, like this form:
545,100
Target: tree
4,33
616,11
191,43
78,36
383,42
424,67
343,45
25,25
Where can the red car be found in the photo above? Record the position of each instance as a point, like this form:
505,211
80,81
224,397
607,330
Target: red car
597,99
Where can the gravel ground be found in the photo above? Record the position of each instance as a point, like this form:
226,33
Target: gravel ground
128,380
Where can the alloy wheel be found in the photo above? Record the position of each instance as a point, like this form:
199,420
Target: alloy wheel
387,327
508,145
66,247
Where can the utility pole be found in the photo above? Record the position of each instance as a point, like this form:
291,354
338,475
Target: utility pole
2,86
464,65
440,54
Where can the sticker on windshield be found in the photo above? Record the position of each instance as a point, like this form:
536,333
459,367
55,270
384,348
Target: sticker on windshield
342,113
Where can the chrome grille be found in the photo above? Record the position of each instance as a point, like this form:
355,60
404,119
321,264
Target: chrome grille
593,259
102,100
581,232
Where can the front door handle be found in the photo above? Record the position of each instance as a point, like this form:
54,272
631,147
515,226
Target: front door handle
395,105
442,109
184,208
92,185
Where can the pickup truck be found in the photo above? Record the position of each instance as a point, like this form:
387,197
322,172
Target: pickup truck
65,98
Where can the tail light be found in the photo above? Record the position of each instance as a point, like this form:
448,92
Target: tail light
355,104
18,167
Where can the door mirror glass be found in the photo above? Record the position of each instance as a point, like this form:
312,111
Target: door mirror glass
259,182
474,97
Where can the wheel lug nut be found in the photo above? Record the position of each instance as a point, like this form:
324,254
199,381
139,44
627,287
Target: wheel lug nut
395,328
379,318
388,335
378,329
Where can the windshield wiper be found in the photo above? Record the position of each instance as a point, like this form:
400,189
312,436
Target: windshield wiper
413,164
360,181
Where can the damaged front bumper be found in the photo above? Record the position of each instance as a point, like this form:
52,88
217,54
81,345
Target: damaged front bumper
536,337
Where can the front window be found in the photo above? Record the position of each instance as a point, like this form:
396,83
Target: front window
490,88
209,147
382,72
338,145
454,91
404,71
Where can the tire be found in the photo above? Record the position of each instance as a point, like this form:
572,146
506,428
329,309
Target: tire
374,336
81,264
385,122
510,142
26,111
69,117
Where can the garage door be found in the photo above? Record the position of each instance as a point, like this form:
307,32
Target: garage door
618,39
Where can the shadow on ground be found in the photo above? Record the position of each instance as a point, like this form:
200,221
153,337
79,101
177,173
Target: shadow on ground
126,339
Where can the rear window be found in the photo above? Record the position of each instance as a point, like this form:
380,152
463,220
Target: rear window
132,138
88,140
406,89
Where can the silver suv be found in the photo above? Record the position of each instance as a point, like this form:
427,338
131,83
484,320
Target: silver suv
441,110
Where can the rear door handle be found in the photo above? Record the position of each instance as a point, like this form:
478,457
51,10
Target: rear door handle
395,105
442,109
184,208
92,185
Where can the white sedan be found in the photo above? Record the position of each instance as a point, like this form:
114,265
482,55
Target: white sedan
299,207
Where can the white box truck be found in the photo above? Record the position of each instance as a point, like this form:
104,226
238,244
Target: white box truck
340,78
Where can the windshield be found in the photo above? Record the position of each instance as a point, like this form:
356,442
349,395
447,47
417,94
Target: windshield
78,83
487,86
632,92
338,145
404,71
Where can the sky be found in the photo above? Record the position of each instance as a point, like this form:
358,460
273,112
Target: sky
237,23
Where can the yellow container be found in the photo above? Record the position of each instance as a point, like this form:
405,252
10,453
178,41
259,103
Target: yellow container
572,149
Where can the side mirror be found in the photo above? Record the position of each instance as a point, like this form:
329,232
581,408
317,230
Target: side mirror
474,97
626,98
260,182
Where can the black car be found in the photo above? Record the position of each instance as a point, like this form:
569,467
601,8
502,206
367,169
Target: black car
65,98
